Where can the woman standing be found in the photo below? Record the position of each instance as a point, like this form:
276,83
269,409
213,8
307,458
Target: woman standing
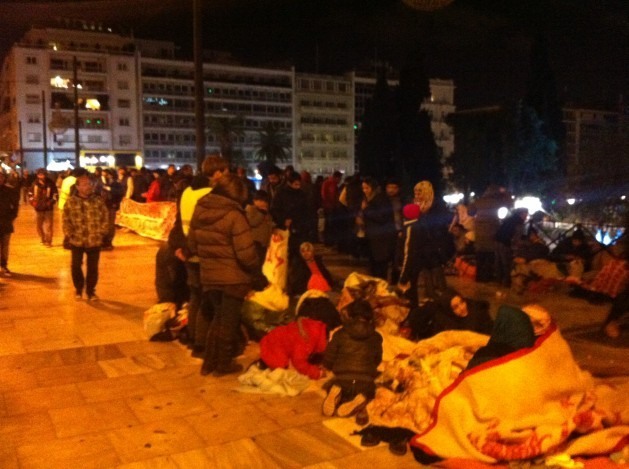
376,218
220,235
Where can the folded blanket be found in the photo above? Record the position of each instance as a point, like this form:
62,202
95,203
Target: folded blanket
278,381
531,402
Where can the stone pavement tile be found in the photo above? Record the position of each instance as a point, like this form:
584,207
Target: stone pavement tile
295,411
221,426
3,407
42,398
240,453
196,458
115,388
86,451
57,375
10,343
154,439
305,445
371,457
140,347
166,405
138,364
51,343
183,376
29,362
8,457
22,429
15,380
95,336
93,417
90,354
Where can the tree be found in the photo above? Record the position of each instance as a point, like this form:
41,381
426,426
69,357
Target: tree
377,136
274,144
226,130
419,157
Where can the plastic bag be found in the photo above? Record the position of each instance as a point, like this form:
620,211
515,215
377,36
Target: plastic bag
272,297
275,267
156,316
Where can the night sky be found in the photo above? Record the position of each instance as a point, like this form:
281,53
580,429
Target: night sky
483,45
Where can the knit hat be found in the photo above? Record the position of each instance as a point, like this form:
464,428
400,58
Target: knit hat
540,318
411,211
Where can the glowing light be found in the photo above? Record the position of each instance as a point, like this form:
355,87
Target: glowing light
453,199
111,161
503,212
93,104
571,201
533,204
139,161
472,194
59,82
623,197
59,165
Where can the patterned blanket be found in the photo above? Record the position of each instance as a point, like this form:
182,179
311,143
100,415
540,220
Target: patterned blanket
536,401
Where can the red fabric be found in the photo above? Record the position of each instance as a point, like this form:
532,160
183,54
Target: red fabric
612,278
286,344
154,192
317,280
329,193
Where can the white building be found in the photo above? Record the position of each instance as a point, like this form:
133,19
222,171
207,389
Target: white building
439,106
323,135
37,95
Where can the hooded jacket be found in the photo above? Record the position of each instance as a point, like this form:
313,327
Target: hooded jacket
220,235
355,351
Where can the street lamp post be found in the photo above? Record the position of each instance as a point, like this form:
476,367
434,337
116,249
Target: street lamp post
75,79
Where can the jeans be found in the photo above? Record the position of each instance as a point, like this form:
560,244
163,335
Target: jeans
91,278
109,237
199,317
504,264
44,226
4,249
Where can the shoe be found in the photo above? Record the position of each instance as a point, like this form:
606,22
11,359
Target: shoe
398,447
227,370
198,351
207,368
362,417
48,245
107,248
5,271
92,297
349,408
331,401
369,439
78,296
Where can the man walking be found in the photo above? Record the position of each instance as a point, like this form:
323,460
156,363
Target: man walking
85,223
9,201
43,194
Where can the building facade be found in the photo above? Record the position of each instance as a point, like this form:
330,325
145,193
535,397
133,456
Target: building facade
136,104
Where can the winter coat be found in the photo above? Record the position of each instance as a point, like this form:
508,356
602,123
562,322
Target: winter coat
261,224
85,221
220,235
292,204
379,227
9,203
295,343
355,351
299,275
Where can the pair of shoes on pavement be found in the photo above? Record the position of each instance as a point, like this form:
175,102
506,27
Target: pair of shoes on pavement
232,368
92,297
5,271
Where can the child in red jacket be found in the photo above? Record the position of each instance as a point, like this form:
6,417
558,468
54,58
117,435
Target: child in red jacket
295,344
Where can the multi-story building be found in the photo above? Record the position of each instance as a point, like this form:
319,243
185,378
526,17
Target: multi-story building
49,70
135,97
323,136
597,148
253,96
439,106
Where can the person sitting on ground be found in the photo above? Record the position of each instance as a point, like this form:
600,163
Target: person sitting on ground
299,343
462,239
450,311
307,272
513,330
353,355
573,255
530,260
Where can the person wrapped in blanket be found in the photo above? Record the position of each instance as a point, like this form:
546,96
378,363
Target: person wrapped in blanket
353,355
449,311
308,272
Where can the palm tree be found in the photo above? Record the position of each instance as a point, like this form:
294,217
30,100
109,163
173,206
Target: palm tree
274,144
226,130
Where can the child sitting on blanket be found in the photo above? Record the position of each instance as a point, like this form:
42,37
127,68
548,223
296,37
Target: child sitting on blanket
307,272
353,354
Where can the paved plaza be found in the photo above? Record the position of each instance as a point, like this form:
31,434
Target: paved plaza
81,386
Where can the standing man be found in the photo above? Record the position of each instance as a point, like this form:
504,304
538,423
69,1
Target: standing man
85,223
329,203
9,201
43,195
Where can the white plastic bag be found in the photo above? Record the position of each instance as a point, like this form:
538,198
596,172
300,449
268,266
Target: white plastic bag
275,267
156,316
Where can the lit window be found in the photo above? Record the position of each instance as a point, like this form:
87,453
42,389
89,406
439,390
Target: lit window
59,82
93,104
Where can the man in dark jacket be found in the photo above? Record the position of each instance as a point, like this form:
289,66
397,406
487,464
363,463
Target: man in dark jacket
43,195
9,202
220,235
508,236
